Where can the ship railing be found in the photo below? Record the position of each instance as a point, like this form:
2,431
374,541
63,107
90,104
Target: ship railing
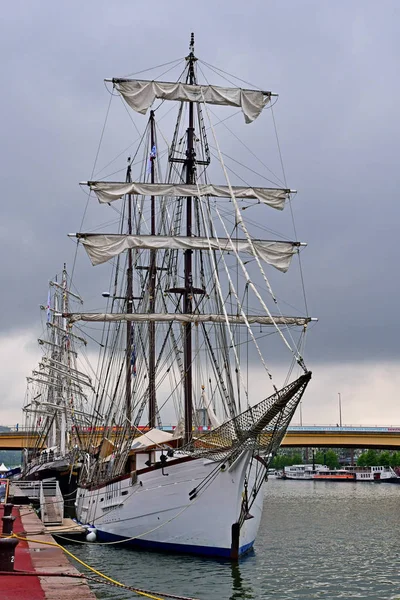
25,489
46,457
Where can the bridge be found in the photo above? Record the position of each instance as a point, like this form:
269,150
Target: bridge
329,436
307,436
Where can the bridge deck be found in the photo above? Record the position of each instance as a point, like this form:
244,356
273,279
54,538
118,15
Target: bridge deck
317,436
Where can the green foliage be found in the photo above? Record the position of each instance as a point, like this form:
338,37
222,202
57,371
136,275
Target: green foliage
384,458
372,458
368,459
286,460
328,458
11,458
395,459
297,459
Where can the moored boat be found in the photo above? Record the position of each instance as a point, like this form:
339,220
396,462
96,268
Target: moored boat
183,330
334,475
316,472
374,473
351,473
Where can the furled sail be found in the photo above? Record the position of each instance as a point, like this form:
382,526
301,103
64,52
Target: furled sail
108,191
140,95
102,247
188,318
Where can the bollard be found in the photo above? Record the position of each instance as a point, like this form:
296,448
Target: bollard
8,524
8,509
7,553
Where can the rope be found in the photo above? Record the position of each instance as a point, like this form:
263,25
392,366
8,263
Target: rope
237,298
88,198
177,60
218,286
243,144
291,209
81,562
240,221
18,573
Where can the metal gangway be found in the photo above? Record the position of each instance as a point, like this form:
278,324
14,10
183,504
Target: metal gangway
51,503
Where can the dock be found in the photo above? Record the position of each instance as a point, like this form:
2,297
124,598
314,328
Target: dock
67,527
41,572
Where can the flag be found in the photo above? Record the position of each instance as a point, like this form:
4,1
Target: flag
48,312
153,154
133,353
133,360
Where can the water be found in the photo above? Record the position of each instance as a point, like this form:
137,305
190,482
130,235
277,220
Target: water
317,540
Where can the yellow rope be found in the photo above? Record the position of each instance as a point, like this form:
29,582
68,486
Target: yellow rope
85,565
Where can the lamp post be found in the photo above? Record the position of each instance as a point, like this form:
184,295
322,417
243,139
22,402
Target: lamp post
340,409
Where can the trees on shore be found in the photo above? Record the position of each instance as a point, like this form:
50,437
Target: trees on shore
330,458
371,458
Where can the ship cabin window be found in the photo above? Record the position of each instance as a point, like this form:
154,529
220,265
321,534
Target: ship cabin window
124,493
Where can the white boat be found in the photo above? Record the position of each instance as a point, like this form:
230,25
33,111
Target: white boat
187,327
302,471
375,473
317,473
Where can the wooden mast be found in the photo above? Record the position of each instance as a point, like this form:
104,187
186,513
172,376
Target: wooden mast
129,303
187,296
152,289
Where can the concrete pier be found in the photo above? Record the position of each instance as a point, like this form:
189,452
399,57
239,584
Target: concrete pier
33,558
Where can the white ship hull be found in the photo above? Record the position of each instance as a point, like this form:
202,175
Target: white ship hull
155,511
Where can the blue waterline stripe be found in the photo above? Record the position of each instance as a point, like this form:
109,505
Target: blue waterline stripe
167,547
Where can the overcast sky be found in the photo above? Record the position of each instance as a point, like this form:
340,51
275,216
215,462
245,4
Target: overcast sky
335,67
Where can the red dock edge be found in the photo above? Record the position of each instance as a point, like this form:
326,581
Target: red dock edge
34,557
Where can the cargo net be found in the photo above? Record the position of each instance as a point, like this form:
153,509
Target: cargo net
260,428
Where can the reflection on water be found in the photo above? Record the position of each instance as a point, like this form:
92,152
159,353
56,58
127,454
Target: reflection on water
317,540
240,589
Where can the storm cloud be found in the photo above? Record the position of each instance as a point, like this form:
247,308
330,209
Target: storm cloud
335,67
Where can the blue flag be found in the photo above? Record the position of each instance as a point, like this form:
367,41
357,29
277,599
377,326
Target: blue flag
133,353
48,311
153,155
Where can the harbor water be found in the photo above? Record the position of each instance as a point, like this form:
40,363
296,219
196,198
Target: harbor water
317,540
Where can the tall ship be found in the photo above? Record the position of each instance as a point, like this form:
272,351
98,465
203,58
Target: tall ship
58,396
192,330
